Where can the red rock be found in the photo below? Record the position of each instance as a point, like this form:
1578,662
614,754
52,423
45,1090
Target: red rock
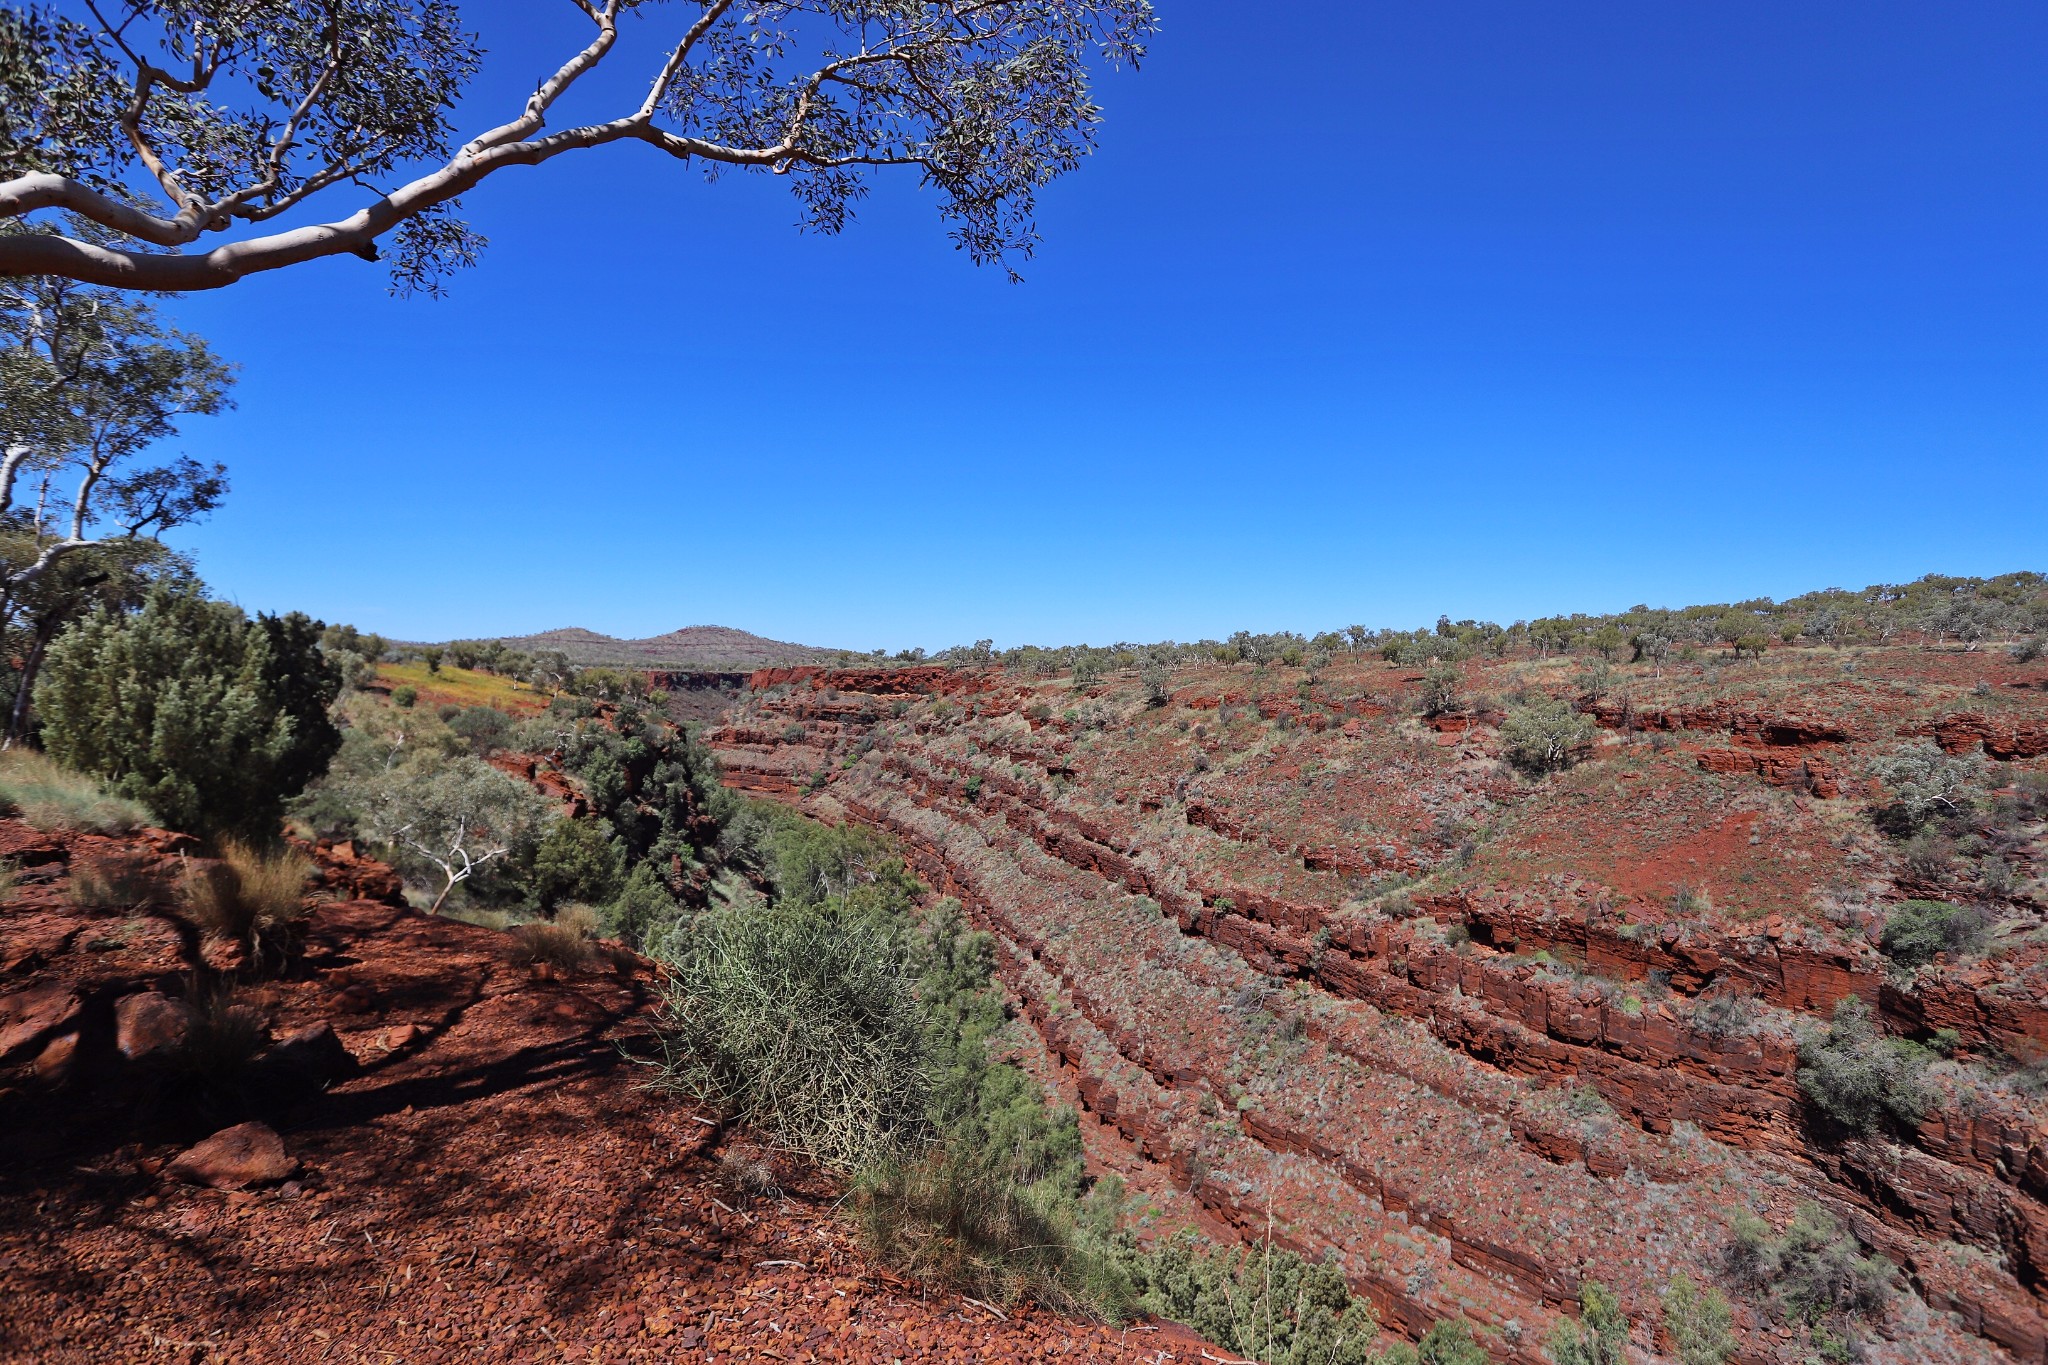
236,1158
52,1065
148,1024
31,1014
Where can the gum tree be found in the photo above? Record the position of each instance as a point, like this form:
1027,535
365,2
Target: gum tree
188,129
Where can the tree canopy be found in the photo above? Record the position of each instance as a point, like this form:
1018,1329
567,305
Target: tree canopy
170,122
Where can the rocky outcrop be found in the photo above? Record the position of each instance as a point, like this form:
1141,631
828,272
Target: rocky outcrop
1484,1097
2005,738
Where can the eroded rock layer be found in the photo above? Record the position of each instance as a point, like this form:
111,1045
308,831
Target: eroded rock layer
1343,978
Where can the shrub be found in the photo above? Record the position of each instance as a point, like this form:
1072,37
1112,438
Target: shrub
642,909
1699,1323
1916,931
1811,1274
210,719
1545,734
1450,1343
1599,1337
1158,684
1926,782
251,897
51,797
1270,1305
221,1042
746,1172
2027,650
563,941
1725,1014
578,860
1692,901
1857,1077
802,1024
1440,690
405,695
485,728
960,1220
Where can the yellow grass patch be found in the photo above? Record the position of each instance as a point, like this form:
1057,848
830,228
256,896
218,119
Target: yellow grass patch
463,687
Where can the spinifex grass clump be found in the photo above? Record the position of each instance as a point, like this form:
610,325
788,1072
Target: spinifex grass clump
564,942
803,1026
52,797
248,896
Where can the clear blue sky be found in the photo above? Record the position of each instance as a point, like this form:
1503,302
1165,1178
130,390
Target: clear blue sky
1382,310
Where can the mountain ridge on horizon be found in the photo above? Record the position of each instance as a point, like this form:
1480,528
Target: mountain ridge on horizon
705,647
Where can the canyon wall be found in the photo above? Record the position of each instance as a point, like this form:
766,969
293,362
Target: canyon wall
1516,1071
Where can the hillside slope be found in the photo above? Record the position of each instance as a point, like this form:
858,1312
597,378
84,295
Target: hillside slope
471,1171
1338,975
693,648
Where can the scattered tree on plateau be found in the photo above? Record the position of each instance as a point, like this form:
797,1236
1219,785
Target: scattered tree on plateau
229,114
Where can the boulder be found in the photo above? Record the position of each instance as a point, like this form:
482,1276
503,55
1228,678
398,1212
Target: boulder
27,1015
148,1024
52,1065
236,1158
314,1050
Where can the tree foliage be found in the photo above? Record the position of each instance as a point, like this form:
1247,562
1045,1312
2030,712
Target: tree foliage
90,379
232,114
1699,1322
209,718
1599,1337
1545,734
1812,1273
1859,1078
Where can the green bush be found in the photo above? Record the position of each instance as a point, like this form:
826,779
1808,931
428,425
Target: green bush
1545,734
957,1218
1926,783
210,719
404,696
486,728
802,1024
578,860
642,909
1699,1323
1599,1337
1917,930
1450,1343
1440,690
1271,1305
1858,1078
1812,1274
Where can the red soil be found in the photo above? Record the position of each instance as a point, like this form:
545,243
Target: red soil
488,1181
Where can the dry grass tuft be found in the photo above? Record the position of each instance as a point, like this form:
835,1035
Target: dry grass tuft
566,941
249,897
745,1171
51,797
226,1036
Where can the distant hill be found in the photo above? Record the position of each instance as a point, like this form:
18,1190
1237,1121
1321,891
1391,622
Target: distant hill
709,648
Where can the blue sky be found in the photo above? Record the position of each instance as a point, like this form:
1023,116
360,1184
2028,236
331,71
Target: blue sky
1387,309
